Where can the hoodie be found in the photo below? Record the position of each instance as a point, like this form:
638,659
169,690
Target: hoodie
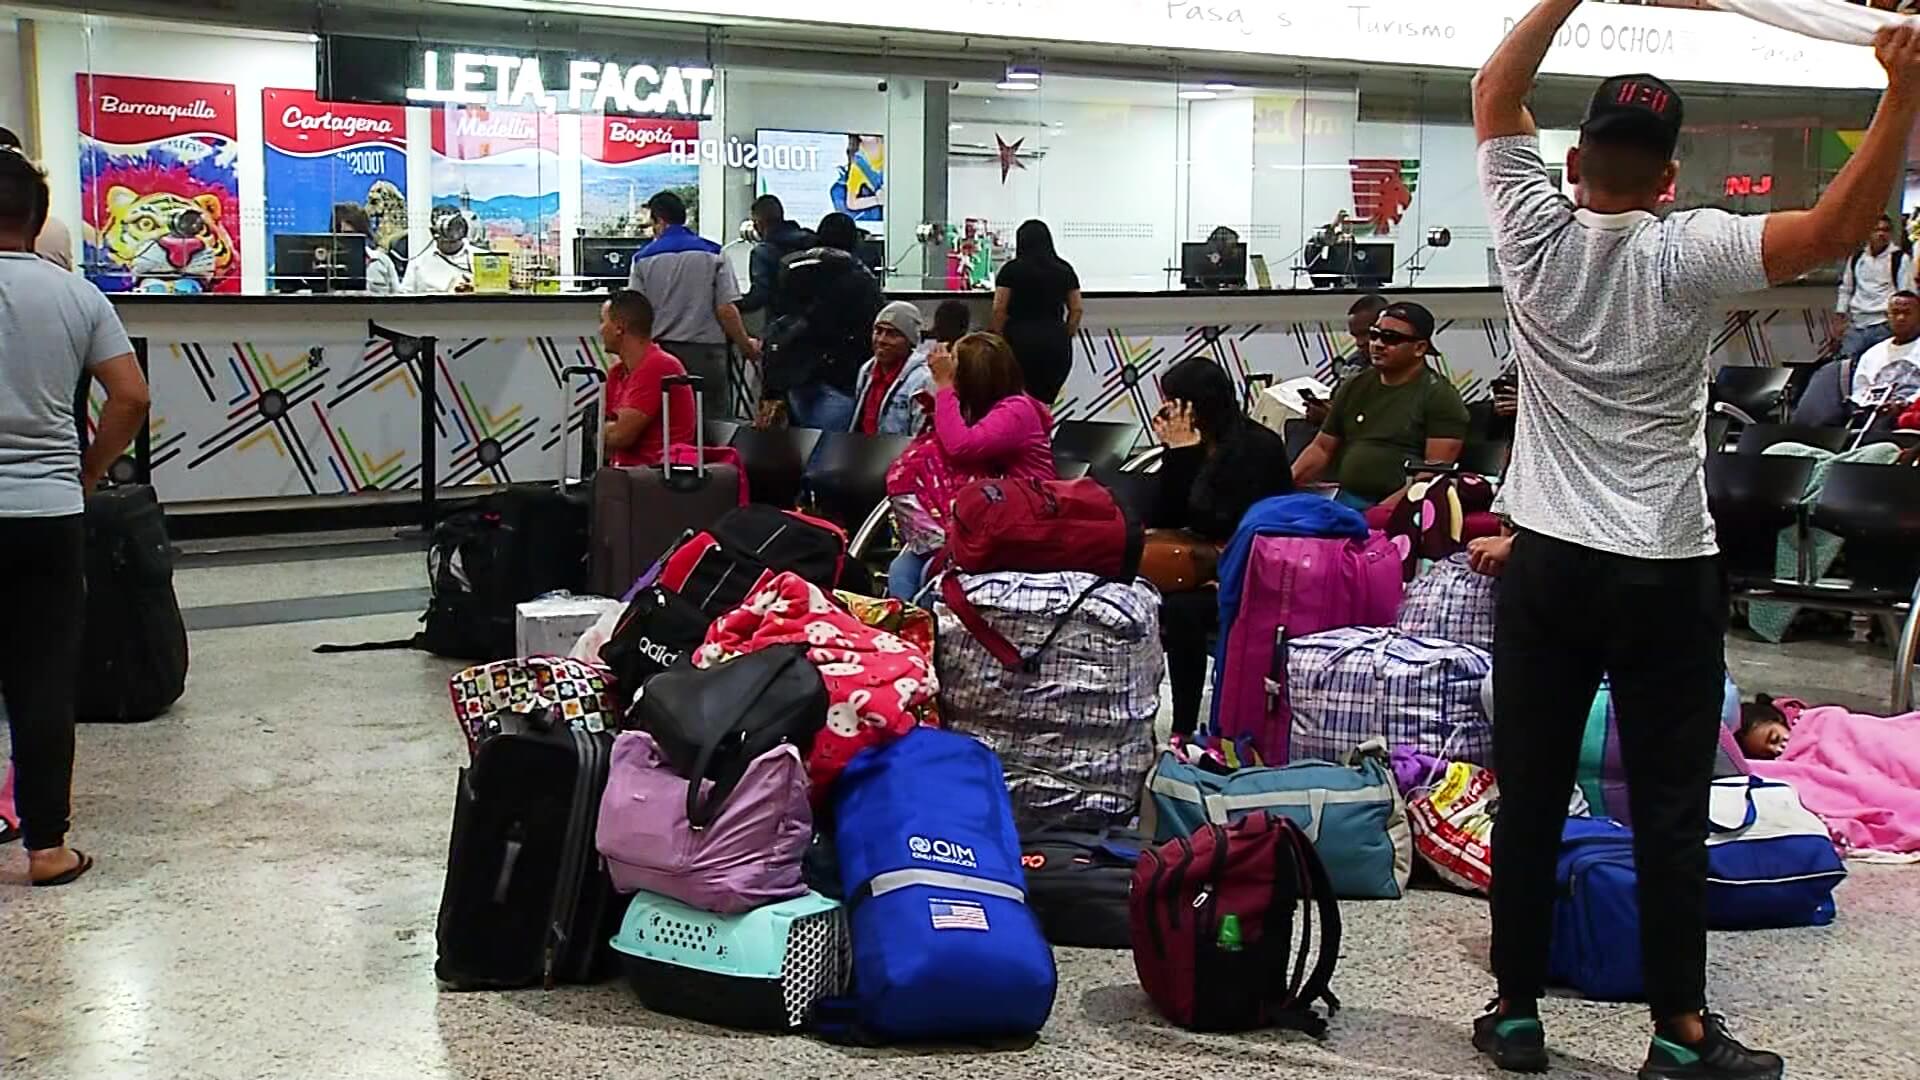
763,266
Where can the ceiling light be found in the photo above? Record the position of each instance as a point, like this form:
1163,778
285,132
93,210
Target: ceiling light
1023,73
1221,87
1017,86
955,127
1197,95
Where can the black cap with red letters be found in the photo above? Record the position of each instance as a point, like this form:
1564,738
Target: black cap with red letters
1637,109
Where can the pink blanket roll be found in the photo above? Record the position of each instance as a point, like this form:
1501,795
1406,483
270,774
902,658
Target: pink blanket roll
1860,774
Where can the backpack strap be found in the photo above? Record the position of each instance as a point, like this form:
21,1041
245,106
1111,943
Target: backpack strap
1319,984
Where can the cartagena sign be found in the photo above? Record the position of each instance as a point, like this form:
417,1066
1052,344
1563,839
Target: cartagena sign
378,70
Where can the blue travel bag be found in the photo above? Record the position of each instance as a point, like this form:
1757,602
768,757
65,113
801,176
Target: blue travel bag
1596,918
944,945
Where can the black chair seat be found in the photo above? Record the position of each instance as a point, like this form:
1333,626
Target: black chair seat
1487,457
848,473
1134,491
719,432
1843,595
1756,391
776,462
1752,497
1099,443
1759,437
1876,510
1299,435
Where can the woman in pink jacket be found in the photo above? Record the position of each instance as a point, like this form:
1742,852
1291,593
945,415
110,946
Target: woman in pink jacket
985,424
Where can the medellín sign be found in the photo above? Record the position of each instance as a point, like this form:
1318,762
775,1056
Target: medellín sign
390,71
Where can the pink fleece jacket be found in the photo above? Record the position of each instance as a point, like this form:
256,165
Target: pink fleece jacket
1011,440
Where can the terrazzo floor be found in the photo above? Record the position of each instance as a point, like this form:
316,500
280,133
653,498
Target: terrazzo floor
271,856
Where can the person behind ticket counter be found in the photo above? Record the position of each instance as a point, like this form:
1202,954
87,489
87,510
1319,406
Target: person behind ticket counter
351,218
448,266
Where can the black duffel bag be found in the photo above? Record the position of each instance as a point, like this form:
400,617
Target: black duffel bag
711,724
659,630
1077,885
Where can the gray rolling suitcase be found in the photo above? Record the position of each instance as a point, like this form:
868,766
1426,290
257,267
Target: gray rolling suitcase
640,514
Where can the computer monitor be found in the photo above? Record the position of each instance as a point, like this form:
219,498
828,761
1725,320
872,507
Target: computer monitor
319,262
1352,264
604,262
1213,266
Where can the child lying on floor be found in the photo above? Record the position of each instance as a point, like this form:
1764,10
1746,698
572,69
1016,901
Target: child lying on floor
1763,729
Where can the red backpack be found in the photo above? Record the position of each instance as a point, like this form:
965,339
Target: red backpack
1039,526
1212,918
1036,527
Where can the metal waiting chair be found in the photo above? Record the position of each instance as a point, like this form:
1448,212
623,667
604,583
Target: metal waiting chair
719,432
1299,435
1759,392
847,475
776,462
1099,443
1875,509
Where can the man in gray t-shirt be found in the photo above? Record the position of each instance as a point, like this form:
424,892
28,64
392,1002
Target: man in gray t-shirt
55,327
1613,569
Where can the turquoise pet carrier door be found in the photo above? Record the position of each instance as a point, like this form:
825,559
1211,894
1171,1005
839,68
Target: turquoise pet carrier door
762,970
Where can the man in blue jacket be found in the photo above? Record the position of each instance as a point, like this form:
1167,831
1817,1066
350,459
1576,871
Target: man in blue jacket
779,238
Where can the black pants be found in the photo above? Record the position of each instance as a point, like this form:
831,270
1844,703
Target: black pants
1186,621
1657,629
43,581
1045,352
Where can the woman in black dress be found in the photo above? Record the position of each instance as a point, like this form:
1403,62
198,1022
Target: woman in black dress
1036,307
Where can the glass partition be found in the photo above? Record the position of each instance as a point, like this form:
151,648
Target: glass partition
198,159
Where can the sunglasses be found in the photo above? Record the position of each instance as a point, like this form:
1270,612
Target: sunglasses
1391,337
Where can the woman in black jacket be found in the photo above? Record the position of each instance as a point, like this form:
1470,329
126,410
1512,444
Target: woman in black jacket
1036,307
1218,463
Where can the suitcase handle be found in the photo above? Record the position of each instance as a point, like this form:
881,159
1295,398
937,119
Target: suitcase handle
683,478
589,429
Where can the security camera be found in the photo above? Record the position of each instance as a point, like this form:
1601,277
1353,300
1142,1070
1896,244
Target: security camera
881,86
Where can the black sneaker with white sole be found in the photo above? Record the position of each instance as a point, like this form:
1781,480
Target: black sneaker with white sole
1718,1056
1515,1043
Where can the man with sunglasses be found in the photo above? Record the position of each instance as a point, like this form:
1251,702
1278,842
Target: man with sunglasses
1398,409
1614,568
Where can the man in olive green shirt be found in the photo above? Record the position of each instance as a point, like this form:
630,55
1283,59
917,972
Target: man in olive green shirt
1399,410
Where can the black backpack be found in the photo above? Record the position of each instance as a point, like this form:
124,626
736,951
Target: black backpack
716,569
659,630
711,724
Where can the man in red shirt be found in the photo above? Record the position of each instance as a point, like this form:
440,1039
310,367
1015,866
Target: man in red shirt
635,371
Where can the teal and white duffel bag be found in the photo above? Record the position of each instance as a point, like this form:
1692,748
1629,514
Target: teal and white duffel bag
1353,813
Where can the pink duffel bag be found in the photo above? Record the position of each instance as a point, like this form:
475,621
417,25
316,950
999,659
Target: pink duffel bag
1306,585
748,857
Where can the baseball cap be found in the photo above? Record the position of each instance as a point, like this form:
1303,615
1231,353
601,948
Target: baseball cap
1635,108
1414,315
902,316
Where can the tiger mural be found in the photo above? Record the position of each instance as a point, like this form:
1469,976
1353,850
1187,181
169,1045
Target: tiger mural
166,242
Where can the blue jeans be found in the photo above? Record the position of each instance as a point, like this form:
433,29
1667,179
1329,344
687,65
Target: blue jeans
1858,339
907,575
820,405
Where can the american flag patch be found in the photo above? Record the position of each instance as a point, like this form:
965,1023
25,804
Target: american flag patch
957,915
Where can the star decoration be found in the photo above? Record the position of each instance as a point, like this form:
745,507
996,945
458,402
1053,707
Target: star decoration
1009,156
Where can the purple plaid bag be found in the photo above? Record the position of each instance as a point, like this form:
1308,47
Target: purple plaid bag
1451,603
1347,686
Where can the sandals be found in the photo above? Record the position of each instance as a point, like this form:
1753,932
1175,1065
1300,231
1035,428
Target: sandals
79,870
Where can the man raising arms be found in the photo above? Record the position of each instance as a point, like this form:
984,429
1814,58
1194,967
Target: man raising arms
1614,569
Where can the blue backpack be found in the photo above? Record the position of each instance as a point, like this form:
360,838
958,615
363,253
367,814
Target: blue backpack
944,945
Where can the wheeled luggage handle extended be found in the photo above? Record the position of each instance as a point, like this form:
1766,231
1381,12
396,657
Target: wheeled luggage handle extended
683,477
590,427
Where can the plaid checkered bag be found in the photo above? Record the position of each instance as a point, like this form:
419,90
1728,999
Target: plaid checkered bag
1451,603
1347,686
1075,733
532,692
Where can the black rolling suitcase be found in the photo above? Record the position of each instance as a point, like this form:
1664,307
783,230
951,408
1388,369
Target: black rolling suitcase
134,662
527,901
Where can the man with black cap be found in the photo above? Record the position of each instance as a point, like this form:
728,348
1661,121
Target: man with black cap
1397,410
1614,568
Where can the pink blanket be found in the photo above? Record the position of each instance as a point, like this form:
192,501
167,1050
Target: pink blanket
1860,774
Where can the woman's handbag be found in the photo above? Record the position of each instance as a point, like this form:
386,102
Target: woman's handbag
1177,561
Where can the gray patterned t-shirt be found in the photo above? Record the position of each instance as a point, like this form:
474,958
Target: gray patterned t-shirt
1612,318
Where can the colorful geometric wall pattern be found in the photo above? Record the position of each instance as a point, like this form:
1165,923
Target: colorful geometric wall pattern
253,419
